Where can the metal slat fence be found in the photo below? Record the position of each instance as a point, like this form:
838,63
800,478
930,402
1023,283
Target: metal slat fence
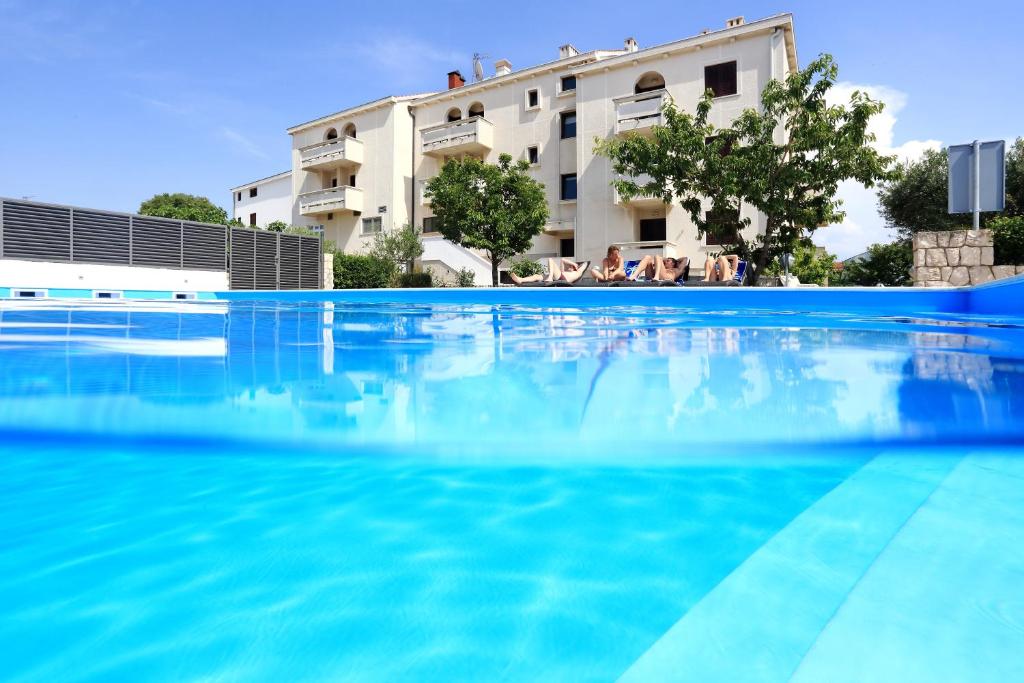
272,260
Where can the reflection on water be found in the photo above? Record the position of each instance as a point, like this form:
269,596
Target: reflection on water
485,376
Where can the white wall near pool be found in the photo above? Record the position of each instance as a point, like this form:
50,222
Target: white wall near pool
44,275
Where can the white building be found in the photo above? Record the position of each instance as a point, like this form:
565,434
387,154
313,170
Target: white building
363,169
264,201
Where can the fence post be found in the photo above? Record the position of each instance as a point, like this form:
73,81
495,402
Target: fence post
71,235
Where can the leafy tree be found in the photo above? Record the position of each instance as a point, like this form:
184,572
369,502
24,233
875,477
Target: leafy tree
1015,178
277,226
1008,239
525,267
402,247
809,265
498,208
885,264
785,159
185,207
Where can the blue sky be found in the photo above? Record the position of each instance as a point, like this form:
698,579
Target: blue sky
107,103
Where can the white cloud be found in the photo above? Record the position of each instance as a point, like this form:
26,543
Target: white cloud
243,143
863,225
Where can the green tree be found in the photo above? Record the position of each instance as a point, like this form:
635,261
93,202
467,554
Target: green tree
810,265
498,208
185,207
1008,239
277,226
1015,178
885,264
785,159
402,247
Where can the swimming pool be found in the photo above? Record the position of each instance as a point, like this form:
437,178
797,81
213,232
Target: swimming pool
514,485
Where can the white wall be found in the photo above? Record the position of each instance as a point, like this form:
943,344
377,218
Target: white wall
273,201
45,275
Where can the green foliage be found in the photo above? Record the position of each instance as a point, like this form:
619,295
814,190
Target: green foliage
498,208
886,264
401,247
809,265
424,279
1015,178
326,246
358,271
465,278
525,267
277,226
1008,239
794,183
918,199
185,207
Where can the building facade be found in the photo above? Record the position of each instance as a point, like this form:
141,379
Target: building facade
364,169
263,201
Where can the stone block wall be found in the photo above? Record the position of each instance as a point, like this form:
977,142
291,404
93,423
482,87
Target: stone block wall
954,258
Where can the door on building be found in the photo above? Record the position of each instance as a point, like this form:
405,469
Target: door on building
652,230
567,248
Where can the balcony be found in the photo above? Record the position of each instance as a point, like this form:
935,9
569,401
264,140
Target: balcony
634,251
640,201
639,113
331,154
331,200
560,228
473,136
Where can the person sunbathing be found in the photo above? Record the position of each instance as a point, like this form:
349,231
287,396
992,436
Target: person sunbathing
559,270
721,269
656,268
612,267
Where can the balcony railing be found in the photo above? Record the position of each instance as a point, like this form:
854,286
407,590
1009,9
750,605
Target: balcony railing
473,135
640,199
329,154
639,113
634,251
557,227
329,200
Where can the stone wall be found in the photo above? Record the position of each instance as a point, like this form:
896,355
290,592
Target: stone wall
953,258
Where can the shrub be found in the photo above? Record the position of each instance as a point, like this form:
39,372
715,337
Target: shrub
416,280
809,266
465,278
356,271
525,267
885,264
1008,240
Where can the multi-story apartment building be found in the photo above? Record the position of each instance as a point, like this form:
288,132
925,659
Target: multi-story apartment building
364,169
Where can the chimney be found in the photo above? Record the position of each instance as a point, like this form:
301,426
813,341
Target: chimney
502,67
734,22
631,45
455,79
566,51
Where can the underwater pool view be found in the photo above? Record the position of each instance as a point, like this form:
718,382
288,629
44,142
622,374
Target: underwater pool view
287,490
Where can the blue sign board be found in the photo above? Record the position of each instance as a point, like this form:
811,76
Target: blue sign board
977,177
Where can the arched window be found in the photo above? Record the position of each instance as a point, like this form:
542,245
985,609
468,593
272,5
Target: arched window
349,130
331,134
454,114
652,80
475,109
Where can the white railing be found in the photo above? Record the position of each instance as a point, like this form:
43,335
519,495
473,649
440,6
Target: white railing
475,129
632,251
337,149
566,225
639,111
330,198
640,181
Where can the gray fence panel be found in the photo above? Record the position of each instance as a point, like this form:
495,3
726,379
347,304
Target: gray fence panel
243,259
156,242
311,263
36,231
266,260
289,262
205,247
100,237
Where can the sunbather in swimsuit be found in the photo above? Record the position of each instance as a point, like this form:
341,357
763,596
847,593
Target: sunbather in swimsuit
562,269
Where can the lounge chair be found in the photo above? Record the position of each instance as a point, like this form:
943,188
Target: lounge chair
631,266
738,278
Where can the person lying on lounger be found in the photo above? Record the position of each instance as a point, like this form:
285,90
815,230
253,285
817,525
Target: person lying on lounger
721,269
559,270
612,267
656,268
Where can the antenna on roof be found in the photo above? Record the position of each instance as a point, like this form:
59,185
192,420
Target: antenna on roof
478,68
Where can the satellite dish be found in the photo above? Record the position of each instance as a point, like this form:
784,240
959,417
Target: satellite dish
478,68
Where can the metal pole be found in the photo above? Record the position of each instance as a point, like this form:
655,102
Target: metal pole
976,185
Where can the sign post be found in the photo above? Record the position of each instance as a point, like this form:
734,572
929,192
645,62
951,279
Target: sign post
977,178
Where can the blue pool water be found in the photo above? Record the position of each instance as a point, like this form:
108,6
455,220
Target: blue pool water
649,488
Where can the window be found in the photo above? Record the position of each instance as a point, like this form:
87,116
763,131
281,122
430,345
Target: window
652,80
533,154
252,219
349,130
475,109
371,226
429,225
454,114
252,191
332,134
568,83
334,182
352,180
532,98
723,227
330,216
568,120
238,196
567,248
652,230
568,186
720,79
